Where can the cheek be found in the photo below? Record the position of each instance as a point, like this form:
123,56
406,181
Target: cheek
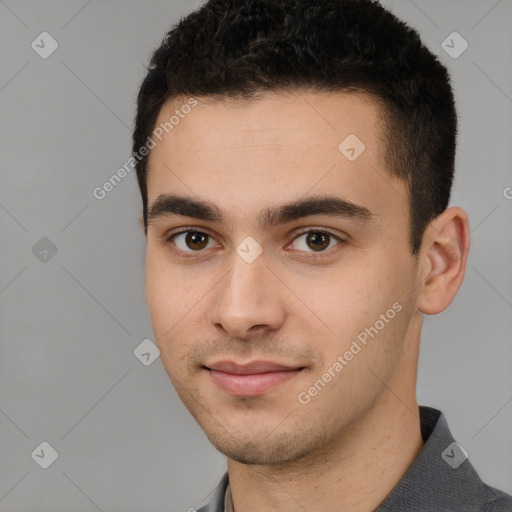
344,299
168,287
350,305
166,297
157,293
173,297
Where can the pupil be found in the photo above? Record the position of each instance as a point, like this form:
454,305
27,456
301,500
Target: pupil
322,238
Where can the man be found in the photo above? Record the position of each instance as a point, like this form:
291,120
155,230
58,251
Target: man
295,160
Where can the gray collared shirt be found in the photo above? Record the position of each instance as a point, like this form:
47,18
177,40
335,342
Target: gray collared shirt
441,478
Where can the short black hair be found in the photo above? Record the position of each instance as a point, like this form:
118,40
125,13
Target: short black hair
241,48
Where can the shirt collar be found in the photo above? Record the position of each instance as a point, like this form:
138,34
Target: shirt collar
228,503
440,478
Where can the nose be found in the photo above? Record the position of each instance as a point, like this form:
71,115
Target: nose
249,300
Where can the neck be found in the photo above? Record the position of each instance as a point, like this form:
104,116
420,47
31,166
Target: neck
355,474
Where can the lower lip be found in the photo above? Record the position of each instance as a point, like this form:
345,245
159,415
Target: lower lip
250,385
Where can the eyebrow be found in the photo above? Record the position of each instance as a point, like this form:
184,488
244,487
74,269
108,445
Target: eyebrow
167,205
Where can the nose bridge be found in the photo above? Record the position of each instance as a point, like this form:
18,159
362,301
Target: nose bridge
247,298
243,284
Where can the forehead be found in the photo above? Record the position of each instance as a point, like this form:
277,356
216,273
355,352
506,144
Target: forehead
275,149
297,119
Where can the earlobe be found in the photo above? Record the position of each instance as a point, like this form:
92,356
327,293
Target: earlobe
445,252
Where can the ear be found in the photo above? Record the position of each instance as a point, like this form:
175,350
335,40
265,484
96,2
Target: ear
444,255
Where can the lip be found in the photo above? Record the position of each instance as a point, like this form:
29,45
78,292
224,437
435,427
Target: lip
250,379
250,368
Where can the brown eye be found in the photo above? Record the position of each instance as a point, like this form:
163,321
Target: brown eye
191,241
318,241
196,240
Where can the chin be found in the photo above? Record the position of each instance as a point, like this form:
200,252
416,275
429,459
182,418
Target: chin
266,449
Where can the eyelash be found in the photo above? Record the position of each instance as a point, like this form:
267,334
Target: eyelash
312,255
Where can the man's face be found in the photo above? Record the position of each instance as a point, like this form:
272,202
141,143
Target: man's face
244,340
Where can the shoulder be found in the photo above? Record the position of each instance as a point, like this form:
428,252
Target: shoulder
497,501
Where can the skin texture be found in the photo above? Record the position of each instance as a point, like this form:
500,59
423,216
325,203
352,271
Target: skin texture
355,438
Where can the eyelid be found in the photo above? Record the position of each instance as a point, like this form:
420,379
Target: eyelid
187,229
312,229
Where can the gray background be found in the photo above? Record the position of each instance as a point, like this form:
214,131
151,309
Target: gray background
69,324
